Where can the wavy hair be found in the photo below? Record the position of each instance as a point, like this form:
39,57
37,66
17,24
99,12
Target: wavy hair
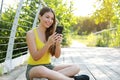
51,29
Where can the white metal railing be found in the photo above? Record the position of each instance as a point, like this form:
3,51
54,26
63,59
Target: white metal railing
8,60
1,8
10,63
99,32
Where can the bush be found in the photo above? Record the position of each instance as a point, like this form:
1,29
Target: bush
67,40
91,40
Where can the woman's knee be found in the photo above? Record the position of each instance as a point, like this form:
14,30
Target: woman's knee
76,67
39,71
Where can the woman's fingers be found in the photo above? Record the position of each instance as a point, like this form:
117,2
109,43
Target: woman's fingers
58,38
55,38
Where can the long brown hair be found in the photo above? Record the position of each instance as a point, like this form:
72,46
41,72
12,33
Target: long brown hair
51,29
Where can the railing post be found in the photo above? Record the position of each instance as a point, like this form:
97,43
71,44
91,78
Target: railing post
1,9
8,60
42,3
36,17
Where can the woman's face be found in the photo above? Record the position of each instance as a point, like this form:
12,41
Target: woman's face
47,19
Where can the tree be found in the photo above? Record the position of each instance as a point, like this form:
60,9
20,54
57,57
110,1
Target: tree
109,12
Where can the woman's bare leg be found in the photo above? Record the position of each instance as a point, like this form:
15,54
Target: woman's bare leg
68,70
43,72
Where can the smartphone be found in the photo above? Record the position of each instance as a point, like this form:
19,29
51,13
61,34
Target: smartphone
59,29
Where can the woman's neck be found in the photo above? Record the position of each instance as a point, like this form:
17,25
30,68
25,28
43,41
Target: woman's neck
41,28
41,33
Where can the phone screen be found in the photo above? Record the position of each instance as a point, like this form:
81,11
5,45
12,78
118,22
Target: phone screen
59,29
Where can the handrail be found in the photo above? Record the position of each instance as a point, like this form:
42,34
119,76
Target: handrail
20,43
20,53
25,21
29,11
3,44
20,37
20,31
5,29
1,9
23,26
36,17
16,45
29,17
20,48
3,51
6,22
4,37
99,32
8,66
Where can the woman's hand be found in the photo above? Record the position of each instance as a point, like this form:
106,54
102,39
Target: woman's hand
54,38
51,39
58,47
58,38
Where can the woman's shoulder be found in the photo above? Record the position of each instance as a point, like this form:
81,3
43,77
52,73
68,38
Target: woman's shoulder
31,31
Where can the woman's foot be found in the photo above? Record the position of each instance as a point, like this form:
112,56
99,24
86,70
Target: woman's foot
81,77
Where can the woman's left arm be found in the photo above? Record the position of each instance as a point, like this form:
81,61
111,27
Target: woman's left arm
58,45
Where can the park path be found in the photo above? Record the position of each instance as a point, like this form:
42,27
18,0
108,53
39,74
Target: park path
77,44
100,63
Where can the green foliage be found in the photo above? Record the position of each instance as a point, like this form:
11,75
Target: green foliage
91,40
108,12
115,41
5,27
105,17
105,12
67,40
87,25
103,39
109,39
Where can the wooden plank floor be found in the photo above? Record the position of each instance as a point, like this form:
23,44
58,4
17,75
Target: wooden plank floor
98,63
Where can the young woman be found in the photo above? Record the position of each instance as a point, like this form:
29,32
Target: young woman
43,42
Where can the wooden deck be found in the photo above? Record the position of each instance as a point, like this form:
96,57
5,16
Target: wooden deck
98,63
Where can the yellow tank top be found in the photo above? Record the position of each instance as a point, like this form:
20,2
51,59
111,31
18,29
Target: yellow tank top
46,58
